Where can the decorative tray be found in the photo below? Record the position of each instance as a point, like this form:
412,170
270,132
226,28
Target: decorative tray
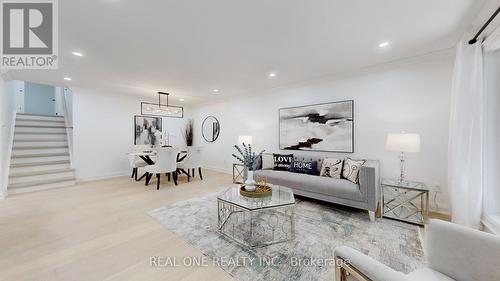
259,192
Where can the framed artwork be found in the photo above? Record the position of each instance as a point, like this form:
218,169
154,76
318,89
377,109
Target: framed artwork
318,127
147,130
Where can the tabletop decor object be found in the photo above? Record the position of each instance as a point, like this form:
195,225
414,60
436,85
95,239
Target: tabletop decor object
247,157
261,189
188,132
403,143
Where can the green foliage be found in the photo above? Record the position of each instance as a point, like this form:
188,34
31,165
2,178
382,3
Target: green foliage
246,155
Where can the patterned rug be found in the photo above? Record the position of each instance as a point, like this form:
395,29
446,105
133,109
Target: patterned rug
320,227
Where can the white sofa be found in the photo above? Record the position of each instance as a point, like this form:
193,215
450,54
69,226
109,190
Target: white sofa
453,252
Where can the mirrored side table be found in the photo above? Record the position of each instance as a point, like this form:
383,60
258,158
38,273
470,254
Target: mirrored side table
239,173
407,201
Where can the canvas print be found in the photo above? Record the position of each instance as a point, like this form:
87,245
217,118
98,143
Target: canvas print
320,127
147,130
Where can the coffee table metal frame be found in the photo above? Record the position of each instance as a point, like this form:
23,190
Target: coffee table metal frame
278,223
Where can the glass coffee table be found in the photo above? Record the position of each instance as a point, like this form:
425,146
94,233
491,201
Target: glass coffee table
257,222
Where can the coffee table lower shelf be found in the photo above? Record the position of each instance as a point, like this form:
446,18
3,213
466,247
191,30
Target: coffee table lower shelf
256,228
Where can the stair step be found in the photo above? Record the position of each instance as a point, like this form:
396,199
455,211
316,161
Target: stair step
39,168
40,155
41,185
39,137
36,152
23,116
39,124
32,177
16,147
37,173
39,144
38,130
41,163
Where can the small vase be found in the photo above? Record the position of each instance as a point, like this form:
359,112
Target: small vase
249,183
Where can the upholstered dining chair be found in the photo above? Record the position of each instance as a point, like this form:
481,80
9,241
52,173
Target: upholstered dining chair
192,162
135,161
166,162
453,252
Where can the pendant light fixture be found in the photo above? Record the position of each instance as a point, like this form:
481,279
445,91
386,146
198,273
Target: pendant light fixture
163,110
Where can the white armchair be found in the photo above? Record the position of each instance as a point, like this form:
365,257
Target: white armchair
453,252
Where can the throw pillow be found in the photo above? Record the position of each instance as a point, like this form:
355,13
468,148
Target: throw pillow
257,163
351,168
282,162
267,161
304,167
331,167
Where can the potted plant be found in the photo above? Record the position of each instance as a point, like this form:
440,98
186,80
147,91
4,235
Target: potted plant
188,132
247,158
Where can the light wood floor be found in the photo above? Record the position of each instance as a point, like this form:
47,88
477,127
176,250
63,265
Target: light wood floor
99,231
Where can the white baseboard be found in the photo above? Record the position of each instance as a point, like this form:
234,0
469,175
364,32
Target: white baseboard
103,177
220,170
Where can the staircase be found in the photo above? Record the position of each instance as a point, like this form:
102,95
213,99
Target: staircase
40,154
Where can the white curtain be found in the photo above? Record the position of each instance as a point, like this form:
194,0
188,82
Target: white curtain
466,138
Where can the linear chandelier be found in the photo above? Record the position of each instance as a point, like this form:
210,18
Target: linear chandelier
163,110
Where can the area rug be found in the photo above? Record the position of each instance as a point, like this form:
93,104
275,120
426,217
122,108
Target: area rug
320,228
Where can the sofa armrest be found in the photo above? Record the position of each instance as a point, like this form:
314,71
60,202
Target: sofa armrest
369,183
369,268
462,253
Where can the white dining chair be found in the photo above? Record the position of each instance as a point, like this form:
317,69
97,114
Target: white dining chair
191,162
166,162
136,163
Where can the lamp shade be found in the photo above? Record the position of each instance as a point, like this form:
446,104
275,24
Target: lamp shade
245,139
403,142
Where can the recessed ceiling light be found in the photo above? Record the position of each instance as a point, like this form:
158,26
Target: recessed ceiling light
383,44
78,54
67,78
216,91
182,99
272,75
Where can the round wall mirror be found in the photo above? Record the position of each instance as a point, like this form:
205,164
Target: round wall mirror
210,129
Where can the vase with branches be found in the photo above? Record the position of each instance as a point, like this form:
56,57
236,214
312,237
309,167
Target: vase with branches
188,132
247,157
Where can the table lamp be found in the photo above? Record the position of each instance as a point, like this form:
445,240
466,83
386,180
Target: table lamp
403,143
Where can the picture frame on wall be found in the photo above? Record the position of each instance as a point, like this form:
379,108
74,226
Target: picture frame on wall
147,130
318,127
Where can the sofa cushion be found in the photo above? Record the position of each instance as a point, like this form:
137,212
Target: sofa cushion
351,168
428,274
304,167
267,161
282,162
323,185
332,168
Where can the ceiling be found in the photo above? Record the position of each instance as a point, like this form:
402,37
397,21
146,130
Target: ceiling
189,48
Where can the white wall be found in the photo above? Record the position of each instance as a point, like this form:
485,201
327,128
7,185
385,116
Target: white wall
104,132
411,96
8,92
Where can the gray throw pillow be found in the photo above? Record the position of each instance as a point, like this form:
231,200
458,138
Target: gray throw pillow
351,168
331,167
267,161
